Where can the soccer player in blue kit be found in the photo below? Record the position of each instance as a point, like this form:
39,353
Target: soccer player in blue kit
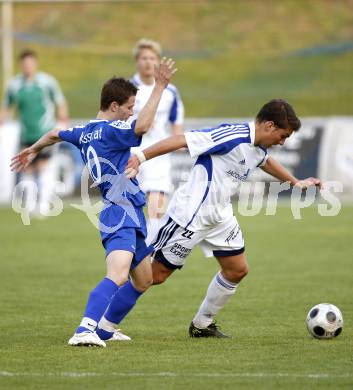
105,148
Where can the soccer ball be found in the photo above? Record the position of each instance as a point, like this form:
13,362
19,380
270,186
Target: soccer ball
324,321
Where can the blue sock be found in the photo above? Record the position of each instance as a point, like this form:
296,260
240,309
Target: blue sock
123,301
98,301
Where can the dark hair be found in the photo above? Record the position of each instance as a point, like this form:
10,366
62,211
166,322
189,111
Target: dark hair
27,53
116,89
281,113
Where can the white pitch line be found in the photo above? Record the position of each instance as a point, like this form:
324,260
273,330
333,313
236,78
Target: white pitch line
174,374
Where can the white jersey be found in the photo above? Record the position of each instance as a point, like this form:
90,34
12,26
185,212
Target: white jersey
226,155
170,110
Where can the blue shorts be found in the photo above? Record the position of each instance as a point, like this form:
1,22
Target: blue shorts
129,237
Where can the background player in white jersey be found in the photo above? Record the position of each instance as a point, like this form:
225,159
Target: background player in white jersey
200,212
155,176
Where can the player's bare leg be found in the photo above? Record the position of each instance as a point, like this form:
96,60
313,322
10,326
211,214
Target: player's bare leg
142,275
234,268
118,266
156,205
222,287
160,272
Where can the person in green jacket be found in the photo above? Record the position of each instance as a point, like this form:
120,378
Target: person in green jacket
40,106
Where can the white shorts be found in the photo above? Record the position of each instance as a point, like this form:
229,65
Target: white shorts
174,243
154,175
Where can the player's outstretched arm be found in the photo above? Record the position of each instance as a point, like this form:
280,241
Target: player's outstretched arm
21,161
275,169
163,75
167,145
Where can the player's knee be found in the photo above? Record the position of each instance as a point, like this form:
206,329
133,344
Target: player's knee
245,270
143,285
236,275
159,277
242,272
118,279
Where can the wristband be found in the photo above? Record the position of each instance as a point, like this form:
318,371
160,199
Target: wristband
140,155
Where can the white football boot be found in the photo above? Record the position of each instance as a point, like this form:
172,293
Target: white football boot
86,339
118,335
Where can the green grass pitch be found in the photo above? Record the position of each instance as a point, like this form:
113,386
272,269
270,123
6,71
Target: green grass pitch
48,268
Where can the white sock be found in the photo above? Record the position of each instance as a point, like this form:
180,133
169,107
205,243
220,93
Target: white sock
152,229
88,323
106,325
218,294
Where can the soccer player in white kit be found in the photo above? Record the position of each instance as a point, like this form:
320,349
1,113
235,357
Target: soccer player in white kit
200,211
155,175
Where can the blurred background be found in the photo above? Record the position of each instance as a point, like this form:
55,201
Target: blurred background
232,56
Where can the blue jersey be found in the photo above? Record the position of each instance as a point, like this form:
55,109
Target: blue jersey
105,149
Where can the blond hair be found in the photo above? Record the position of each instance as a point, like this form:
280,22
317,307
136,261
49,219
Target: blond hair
147,44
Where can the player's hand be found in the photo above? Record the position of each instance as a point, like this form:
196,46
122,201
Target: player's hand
21,161
310,181
132,167
164,72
